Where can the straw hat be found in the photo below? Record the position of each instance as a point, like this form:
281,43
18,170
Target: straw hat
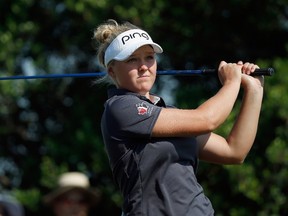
73,182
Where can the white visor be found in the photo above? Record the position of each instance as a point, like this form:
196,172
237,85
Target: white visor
126,43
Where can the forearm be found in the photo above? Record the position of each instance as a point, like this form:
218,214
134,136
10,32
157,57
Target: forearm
243,133
204,119
218,107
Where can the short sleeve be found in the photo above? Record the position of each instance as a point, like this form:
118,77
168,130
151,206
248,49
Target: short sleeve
130,116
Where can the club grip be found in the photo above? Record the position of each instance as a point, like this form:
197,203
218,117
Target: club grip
257,72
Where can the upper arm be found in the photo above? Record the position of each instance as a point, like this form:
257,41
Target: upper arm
215,149
130,117
181,122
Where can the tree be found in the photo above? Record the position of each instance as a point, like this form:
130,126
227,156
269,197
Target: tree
50,126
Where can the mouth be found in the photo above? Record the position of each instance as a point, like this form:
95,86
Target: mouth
143,76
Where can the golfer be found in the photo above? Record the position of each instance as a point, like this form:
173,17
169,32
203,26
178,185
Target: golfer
154,148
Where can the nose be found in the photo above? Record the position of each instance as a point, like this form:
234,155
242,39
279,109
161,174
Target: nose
143,66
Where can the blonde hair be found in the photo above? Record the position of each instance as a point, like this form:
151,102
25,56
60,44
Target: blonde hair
104,34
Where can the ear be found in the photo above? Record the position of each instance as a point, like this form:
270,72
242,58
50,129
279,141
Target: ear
111,72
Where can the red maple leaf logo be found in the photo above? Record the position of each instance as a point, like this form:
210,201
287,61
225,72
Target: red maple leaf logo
142,109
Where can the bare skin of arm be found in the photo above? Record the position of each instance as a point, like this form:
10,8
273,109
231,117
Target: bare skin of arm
209,115
202,121
234,148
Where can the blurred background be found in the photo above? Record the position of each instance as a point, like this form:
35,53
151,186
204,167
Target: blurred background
50,126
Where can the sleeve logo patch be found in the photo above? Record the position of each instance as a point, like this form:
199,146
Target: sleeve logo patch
143,109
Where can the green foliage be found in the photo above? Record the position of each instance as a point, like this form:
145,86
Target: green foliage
29,198
51,126
50,172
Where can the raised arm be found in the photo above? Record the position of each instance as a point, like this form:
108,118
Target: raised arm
236,146
208,116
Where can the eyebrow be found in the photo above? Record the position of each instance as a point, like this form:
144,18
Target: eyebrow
147,53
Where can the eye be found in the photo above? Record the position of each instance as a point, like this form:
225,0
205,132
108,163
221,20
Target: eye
132,59
150,57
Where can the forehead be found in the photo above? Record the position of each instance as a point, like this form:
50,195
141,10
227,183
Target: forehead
144,49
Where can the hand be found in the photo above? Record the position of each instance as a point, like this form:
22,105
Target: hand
249,81
229,72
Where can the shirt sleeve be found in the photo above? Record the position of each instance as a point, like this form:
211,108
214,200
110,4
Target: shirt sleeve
130,116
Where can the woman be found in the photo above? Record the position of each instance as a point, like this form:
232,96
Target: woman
153,148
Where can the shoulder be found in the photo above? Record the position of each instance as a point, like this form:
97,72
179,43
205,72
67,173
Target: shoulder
121,101
120,105
128,106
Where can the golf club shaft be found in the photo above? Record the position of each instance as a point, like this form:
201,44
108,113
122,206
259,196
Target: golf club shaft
258,72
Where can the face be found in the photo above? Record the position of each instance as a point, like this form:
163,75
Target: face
71,204
137,73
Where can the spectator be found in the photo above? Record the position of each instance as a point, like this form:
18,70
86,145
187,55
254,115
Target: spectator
10,206
73,197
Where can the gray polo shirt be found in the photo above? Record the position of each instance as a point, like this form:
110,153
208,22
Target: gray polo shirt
156,176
